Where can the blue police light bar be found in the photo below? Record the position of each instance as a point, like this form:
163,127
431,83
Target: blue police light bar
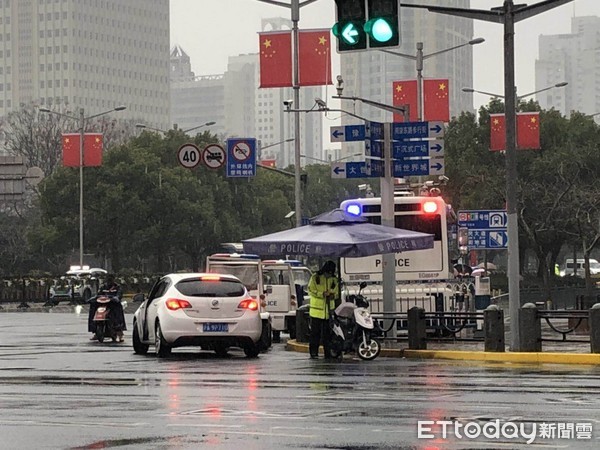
354,208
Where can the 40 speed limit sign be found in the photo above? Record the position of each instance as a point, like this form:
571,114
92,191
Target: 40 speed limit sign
189,156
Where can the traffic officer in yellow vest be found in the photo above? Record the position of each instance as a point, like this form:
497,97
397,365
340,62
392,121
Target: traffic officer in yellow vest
323,291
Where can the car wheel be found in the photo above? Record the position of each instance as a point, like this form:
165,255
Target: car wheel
161,346
252,351
138,347
265,338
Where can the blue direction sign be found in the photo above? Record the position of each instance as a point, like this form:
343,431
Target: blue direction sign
417,130
420,149
405,149
418,167
487,239
347,133
352,170
241,157
483,219
374,131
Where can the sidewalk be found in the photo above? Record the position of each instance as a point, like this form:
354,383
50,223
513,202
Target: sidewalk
552,352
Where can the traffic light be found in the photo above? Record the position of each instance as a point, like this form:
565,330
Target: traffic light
383,26
350,26
363,24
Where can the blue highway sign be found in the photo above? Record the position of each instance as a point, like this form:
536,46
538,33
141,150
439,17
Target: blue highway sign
417,130
352,170
483,219
347,133
406,149
418,167
487,239
374,131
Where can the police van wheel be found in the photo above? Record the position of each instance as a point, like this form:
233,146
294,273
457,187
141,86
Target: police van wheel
276,336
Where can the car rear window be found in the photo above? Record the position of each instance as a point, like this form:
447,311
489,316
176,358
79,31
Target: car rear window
212,288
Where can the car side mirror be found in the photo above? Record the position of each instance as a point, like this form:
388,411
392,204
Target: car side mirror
269,289
363,284
139,297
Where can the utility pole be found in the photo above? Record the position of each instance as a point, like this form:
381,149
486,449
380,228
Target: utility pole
507,15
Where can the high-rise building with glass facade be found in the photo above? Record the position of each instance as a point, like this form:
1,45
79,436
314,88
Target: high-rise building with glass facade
81,53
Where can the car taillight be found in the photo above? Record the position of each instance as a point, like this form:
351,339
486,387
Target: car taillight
174,304
430,207
249,303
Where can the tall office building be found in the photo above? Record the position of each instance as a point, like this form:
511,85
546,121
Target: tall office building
260,113
242,109
573,58
195,100
370,74
91,54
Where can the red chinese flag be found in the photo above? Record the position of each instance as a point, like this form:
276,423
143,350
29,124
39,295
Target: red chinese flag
528,130
275,59
405,93
314,49
497,132
435,98
70,144
92,150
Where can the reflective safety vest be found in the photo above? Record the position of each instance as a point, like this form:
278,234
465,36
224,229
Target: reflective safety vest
319,306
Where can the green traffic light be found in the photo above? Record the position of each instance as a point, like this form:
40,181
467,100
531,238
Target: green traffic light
349,33
379,29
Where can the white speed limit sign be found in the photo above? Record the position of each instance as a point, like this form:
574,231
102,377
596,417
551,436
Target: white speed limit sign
188,156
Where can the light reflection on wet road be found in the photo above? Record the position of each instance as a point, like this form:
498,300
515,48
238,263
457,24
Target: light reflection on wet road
60,391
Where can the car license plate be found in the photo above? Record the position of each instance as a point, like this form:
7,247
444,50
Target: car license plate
215,327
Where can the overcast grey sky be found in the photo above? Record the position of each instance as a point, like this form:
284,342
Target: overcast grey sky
211,30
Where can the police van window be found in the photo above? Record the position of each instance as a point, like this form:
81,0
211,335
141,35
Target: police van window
431,224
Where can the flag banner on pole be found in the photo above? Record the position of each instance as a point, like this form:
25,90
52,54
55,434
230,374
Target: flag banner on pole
436,104
528,130
405,93
314,57
497,132
70,150
92,149
275,59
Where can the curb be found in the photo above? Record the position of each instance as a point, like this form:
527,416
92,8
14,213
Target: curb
457,355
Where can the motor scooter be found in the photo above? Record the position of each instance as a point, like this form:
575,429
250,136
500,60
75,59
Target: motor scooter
103,322
353,329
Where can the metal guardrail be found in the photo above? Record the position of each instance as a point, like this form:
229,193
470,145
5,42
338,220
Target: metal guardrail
441,325
571,314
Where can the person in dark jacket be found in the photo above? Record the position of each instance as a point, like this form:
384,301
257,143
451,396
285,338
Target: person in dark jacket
116,314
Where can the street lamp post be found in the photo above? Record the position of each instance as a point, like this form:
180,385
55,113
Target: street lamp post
148,127
261,148
82,119
518,98
419,58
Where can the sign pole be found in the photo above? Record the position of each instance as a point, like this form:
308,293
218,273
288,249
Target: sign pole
387,219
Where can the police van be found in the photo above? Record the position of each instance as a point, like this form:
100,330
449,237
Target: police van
278,284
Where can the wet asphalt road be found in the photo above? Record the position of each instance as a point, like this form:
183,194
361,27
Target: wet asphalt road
58,390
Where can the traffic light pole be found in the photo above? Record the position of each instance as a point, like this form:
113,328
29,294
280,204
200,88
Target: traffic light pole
507,15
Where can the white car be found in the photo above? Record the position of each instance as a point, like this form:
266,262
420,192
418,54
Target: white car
213,311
